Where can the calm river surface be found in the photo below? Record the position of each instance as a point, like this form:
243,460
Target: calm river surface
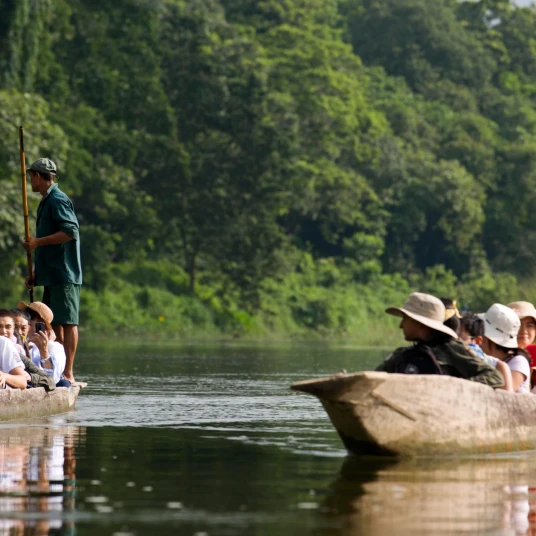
208,440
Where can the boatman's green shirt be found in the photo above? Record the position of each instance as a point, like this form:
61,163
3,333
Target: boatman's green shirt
59,263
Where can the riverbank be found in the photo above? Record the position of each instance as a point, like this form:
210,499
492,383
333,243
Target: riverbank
318,301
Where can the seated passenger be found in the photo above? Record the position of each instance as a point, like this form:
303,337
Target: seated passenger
45,352
527,333
471,332
12,372
7,328
436,349
21,323
35,376
501,326
527,315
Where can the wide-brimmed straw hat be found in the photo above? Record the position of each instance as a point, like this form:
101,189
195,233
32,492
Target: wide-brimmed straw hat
425,309
501,325
523,309
41,309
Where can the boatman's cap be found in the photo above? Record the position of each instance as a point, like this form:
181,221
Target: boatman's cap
523,309
41,309
44,165
425,309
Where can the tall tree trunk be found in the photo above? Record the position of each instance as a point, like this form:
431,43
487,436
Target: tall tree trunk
192,271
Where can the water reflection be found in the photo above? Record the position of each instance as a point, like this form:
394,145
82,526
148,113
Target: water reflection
433,496
215,443
37,479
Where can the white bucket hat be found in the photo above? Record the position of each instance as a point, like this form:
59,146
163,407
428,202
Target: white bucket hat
523,309
425,309
501,325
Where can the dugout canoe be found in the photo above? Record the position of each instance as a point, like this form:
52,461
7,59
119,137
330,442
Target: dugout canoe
376,413
31,403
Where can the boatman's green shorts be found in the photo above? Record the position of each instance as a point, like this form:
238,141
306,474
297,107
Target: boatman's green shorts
64,300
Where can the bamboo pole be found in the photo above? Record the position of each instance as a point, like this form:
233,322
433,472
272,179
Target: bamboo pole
25,208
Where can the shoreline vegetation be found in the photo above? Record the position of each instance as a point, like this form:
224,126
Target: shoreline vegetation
317,302
276,170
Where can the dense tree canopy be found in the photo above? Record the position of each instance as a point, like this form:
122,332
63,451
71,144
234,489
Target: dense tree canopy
233,137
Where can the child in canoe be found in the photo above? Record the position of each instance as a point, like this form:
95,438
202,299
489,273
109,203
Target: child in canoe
436,349
471,332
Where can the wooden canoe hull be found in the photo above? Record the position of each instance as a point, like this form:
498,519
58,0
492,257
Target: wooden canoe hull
412,415
31,403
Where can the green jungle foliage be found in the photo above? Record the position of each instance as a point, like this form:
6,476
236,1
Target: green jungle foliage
276,167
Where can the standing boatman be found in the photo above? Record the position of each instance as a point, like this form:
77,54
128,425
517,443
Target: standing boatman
57,257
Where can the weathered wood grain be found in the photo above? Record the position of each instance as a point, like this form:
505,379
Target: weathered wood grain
395,414
30,403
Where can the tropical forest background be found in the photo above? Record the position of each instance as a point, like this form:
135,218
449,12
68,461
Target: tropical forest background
276,167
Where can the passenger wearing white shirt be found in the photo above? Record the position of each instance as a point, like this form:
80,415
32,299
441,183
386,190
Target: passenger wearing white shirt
501,326
45,352
48,355
11,366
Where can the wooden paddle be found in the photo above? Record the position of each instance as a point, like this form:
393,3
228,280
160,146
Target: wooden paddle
25,207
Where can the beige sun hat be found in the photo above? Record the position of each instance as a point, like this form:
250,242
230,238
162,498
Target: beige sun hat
425,309
501,325
41,309
523,309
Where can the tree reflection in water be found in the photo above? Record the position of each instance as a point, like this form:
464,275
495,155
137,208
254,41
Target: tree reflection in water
37,478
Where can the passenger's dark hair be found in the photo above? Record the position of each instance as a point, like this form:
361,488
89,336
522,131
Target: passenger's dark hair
512,352
453,322
472,324
6,312
34,315
17,312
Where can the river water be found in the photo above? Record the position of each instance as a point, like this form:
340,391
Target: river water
208,440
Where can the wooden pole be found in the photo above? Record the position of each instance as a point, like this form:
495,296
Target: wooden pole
25,208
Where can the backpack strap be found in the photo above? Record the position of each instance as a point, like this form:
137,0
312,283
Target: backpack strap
428,351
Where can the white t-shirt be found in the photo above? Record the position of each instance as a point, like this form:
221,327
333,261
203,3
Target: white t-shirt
57,357
519,363
9,356
490,360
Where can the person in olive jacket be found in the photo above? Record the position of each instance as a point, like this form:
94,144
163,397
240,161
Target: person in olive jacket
435,348
57,265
